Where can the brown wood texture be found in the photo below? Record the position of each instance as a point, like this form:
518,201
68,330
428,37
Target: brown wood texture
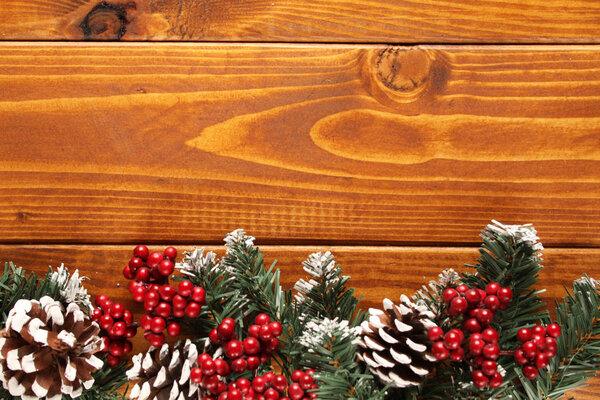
396,21
297,143
376,272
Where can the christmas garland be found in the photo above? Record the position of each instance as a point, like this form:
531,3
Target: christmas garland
240,336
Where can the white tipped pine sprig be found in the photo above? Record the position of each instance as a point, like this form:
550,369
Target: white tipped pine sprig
236,238
431,295
525,234
321,331
196,263
70,287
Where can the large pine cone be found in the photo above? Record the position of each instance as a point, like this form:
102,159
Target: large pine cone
165,373
45,351
395,343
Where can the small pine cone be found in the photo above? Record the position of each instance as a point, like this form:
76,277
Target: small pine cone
46,352
165,373
395,343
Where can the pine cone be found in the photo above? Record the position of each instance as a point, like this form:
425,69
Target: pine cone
395,343
165,373
45,351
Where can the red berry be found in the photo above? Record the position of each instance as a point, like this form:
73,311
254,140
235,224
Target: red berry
253,362
100,299
239,365
496,380
193,309
152,298
473,297
106,306
196,375
253,330
141,251
116,348
530,372
251,346
471,325
236,394
272,345
435,333
457,354
295,391
112,360
97,314
462,289
476,346
106,322
203,357
179,301
306,381
280,383
492,302
225,330
154,259
209,367
265,333
138,293
439,351
158,325
490,335
505,294
174,329
476,336
539,341
449,294
243,384
127,347
146,322
485,316
492,288
128,273
142,274
458,305
520,357
163,310
157,340
489,367
553,330
234,349
529,349
118,329
538,330
198,294
166,267
453,339
491,351
135,263
130,332
117,310
524,334
167,292
262,319
214,336
127,317
298,373
222,367
178,312
479,379
541,361
276,328
185,288
271,394
258,384
171,253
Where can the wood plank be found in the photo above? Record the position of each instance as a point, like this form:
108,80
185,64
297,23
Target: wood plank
376,271
388,21
297,143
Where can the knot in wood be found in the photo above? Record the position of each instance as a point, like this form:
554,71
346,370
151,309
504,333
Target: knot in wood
106,21
403,69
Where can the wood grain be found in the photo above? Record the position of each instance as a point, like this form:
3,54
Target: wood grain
395,21
376,272
297,143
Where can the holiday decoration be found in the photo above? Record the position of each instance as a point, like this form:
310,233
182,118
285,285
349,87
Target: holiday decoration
481,334
164,373
395,343
46,351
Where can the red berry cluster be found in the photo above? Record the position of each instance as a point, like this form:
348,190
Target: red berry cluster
166,306
149,267
117,326
302,381
537,349
479,305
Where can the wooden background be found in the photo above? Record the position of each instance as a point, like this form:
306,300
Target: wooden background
387,131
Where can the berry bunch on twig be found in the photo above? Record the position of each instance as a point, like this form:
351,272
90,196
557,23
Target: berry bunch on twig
117,327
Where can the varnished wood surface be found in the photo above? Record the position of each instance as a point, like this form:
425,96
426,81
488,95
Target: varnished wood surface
376,272
118,143
395,21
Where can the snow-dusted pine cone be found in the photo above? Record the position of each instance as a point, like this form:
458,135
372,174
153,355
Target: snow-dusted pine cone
395,344
165,373
45,351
